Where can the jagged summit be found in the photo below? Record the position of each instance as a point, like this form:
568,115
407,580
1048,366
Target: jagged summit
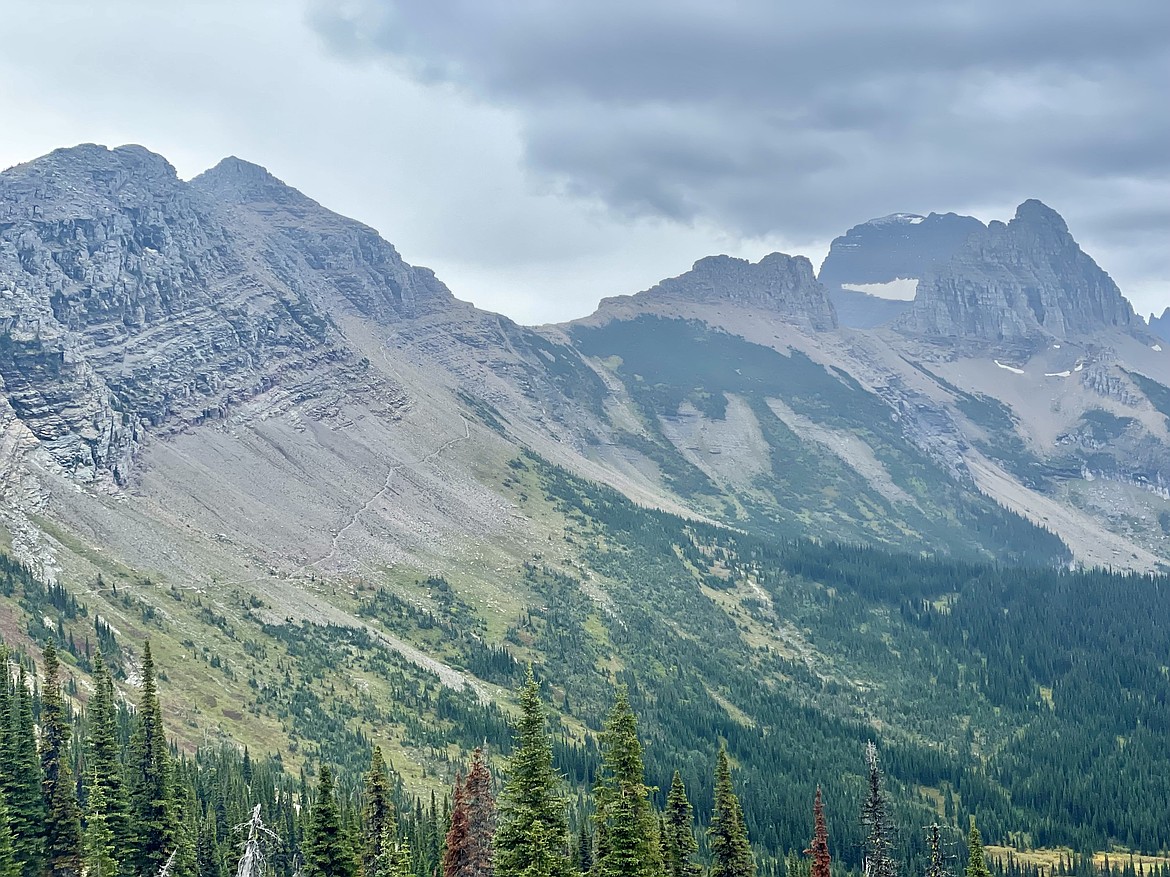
782,284
1023,280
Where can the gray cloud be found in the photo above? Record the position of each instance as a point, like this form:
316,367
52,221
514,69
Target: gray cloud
800,120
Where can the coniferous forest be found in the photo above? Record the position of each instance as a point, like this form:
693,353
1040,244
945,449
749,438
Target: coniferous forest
1024,705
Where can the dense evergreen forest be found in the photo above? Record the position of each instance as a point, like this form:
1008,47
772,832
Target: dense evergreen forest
102,793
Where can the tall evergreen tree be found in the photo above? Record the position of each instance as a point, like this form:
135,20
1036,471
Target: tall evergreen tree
731,852
327,849
818,850
622,798
152,811
378,825
23,794
878,860
976,862
98,847
102,763
584,847
9,867
678,835
62,821
481,816
532,839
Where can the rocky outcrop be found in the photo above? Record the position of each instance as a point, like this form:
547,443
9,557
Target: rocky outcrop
1020,282
1160,326
782,285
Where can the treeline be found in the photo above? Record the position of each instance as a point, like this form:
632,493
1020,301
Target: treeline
102,794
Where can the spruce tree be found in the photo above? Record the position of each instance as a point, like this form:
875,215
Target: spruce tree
878,861
678,836
102,764
818,850
152,811
23,794
481,816
327,850
622,797
378,826
731,852
98,847
9,867
62,821
584,848
976,863
533,836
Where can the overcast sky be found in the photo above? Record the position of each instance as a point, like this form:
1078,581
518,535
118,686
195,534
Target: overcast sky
541,154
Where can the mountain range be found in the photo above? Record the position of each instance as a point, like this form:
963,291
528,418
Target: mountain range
245,414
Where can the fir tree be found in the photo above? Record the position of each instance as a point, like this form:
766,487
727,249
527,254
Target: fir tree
154,823
327,850
731,852
98,848
622,798
9,867
62,822
378,826
103,765
818,850
678,836
874,819
584,847
976,864
23,795
481,816
533,834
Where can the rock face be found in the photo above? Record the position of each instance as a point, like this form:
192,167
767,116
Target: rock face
900,246
783,285
132,300
1160,326
1020,282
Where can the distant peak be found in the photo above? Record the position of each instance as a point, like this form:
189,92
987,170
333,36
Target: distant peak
236,180
1036,213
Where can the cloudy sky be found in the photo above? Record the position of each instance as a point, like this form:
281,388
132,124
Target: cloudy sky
540,154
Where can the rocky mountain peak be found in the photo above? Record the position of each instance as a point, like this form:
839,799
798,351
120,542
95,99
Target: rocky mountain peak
782,284
1021,281
83,182
237,181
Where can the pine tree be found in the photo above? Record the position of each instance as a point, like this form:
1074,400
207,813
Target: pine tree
877,860
9,866
818,850
533,834
622,798
327,850
678,836
23,794
378,826
62,822
731,852
98,848
976,864
481,816
103,765
153,820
